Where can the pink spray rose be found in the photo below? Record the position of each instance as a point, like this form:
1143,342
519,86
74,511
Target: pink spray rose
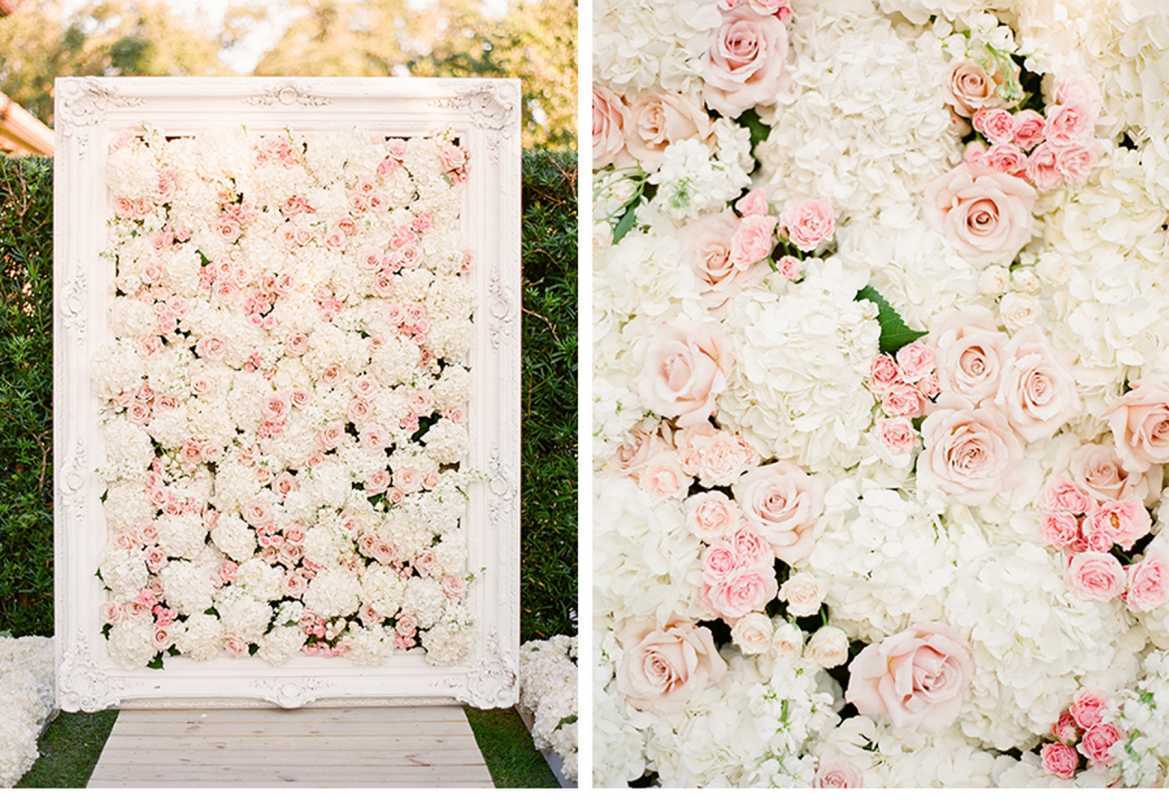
743,591
1065,729
656,120
984,215
685,370
1148,582
971,454
1087,709
1029,127
609,113
916,678
1064,495
902,400
1097,743
837,773
1043,168
808,223
716,457
1060,529
744,66
1096,576
916,361
780,503
753,240
1059,759
1140,426
753,203
1068,123
897,434
883,371
662,668
1075,162
996,124
663,476
1120,522
712,516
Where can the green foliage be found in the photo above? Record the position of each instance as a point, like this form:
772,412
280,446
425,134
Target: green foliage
548,503
506,746
895,334
69,748
759,129
26,396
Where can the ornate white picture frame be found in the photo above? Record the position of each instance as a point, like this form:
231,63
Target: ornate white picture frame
485,115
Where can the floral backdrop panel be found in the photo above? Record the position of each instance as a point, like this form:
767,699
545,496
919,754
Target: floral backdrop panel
882,397
284,391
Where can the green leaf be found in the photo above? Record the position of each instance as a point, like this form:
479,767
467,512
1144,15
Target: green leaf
156,662
749,119
626,223
895,334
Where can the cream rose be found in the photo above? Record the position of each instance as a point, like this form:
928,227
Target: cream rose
803,594
1140,426
828,647
655,120
1037,390
609,115
970,354
709,240
984,215
916,678
970,88
744,66
752,634
1096,469
780,502
685,370
662,668
712,516
970,454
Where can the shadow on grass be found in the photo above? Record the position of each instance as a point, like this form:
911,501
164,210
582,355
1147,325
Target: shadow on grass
507,748
69,747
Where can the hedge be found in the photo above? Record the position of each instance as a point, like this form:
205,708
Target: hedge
548,504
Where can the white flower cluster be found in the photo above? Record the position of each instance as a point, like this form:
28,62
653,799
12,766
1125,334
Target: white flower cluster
26,677
548,670
286,397
881,393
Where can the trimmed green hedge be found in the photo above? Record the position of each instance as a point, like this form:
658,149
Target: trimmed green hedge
548,505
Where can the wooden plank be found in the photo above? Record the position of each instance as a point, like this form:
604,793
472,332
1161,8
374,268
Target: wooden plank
421,746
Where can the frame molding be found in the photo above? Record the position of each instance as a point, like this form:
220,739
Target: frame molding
486,115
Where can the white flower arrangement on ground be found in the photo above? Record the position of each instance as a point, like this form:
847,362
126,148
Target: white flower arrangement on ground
285,397
881,401
548,670
26,679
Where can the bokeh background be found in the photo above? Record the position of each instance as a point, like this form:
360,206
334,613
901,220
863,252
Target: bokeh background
534,40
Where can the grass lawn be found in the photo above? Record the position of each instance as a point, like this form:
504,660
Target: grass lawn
72,743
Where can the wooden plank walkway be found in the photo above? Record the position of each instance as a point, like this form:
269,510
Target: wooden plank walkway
420,746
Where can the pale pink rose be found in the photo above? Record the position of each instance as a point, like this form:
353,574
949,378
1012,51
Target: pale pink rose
752,634
837,773
630,457
897,434
970,88
655,120
1006,158
1096,576
808,223
753,240
1066,496
996,124
916,678
780,503
915,361
715,457
1065,729
974,154
738,594
1029,127
753,203
1037,389
708,241
789,267
663,476
662,668
1087,708
1120,522
1059,759
1140,426
1075,161
609,114
929,385
1067,124
745,64
1043,168
883,371
902,400
712,516
751,550
970,351
1060,529
1148,583
685,370
1097,743
971,454
984,215
1078,90
1097,471
719,561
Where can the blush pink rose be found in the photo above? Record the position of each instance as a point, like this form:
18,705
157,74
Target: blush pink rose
1097,743
716,457
970,355
1068,123
789,267
1096,576
738,594
745,64
1096,470
1060,529
1006,158
1059,759
662,668
1064,495
897,434
996,124
655,120
1148,583
837,773
718,562
780,503
883,371
902,400
753,203
808,223
663,476
609,113
753,240
1140,426
1029,127
1075,162
1037,389
1120,522
1087,708
708,242
970,88
712,516
984,215
917,678
915,361
751,550
1065,729
970,454
685,370
1043,168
